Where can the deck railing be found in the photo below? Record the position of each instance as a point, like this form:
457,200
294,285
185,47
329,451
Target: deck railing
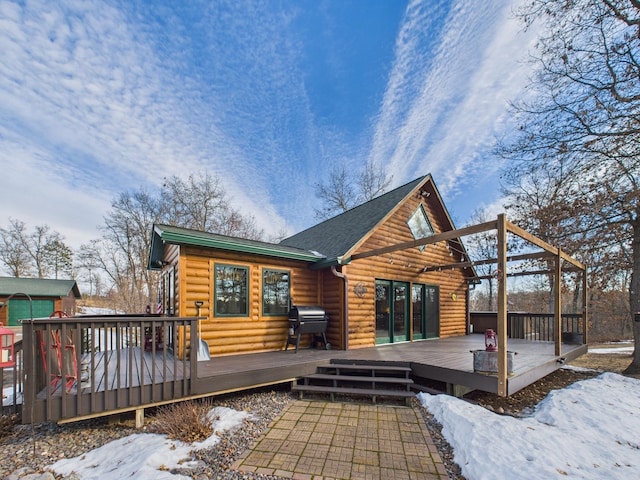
85,366
11,381
533,326
540,327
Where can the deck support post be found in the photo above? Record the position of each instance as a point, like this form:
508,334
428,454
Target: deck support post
502,305
557,305
139,418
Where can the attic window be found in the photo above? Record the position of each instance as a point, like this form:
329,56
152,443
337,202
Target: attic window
420,225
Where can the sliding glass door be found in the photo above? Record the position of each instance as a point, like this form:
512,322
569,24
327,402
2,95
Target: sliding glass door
392,311
425,306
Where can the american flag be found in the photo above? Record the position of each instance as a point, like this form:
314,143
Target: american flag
159,303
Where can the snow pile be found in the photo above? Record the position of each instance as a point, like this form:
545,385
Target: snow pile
588,430
142,455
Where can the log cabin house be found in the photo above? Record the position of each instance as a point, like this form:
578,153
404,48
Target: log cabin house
390,273
246,288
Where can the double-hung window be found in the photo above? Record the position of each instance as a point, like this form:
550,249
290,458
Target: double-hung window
275,292
231,290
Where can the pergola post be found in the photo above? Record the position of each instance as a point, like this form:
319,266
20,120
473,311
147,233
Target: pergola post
557,291
502,306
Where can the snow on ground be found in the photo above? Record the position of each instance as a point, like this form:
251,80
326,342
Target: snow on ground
84,310
615,350
144,455
588,430
8,396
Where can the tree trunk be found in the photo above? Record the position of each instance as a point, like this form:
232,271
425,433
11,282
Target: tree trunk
577,296
634,294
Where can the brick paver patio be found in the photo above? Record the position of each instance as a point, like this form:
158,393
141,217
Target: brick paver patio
321,440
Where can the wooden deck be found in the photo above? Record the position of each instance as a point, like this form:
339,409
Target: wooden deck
445,360
134,378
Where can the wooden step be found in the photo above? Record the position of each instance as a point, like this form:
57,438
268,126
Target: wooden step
372,380
358,378
363,367
368,392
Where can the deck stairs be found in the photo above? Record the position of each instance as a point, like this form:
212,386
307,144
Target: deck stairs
370,379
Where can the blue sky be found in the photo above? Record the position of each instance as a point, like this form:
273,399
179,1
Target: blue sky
99,97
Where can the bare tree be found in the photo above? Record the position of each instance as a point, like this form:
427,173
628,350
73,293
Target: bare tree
202,204
13,253
580,128
41,252
372,181
127,230
337,195
346,189
484,246
121,255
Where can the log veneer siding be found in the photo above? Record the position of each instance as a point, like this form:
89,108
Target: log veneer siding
254,332
404,266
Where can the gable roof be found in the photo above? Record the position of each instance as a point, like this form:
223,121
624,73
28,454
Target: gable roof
39,287
336,236
167,234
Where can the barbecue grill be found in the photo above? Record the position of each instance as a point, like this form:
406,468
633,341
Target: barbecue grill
307,320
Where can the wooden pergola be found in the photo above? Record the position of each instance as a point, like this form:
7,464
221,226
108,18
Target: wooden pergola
503,228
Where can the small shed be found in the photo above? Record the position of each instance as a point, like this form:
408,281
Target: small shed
23,297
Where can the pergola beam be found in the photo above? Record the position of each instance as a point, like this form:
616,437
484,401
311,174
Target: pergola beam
439,237
488,261
548,249
522,233
521,274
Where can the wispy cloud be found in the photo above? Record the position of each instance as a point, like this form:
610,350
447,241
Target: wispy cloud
107,110
462,81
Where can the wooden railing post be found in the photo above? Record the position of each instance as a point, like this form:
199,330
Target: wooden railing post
29,377
193,355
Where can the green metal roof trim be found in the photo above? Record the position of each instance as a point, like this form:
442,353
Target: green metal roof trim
163,234
39,287
336,236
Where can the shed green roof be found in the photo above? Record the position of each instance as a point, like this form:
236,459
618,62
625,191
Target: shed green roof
38,287
166,234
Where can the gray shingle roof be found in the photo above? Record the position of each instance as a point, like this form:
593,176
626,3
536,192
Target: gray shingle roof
38,287
334,237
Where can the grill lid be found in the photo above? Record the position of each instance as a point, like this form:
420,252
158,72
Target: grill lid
306,313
